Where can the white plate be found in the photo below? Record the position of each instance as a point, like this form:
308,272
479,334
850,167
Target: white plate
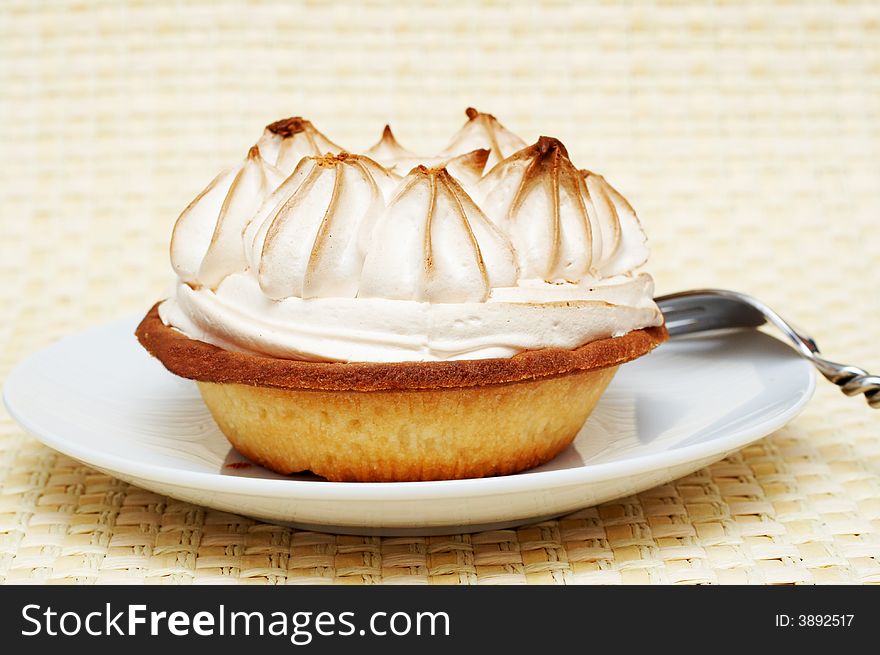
99,398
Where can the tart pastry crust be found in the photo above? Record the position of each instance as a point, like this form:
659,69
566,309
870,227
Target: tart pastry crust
408,421
204,362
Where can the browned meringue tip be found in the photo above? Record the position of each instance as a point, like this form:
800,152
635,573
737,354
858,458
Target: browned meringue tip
476,113
442,174
475,159
388,140
478,158
327,160
331,160
430,171
421,169
253,152
287,127
437,175
548,145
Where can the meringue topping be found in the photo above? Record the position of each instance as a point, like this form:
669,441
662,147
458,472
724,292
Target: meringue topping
310,252
483,131
239,317
313,241
433,244
467,167
286,142
625,246
387,150
206,242
564,224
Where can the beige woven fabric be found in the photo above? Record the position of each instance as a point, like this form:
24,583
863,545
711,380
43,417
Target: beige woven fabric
745,134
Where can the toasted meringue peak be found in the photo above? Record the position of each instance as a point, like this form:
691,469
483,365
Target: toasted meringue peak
564,224
538,197
625,245
483,131
284,143
206,242
312,240
467,167
287,127
433,244
387,150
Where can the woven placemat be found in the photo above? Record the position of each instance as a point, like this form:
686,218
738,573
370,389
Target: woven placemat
745,134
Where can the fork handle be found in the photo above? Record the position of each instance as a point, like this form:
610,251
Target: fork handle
687,312
852,380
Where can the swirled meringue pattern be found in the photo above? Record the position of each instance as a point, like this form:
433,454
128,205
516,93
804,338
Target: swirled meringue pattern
491,247
313,241
433,244
564,224
206,242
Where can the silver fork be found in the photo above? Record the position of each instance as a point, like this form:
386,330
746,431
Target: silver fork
701,310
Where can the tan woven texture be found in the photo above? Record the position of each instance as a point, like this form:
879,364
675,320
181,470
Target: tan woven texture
746,135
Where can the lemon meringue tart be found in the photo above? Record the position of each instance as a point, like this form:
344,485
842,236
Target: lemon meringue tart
391,317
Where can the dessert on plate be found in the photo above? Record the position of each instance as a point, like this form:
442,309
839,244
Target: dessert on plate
386,316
